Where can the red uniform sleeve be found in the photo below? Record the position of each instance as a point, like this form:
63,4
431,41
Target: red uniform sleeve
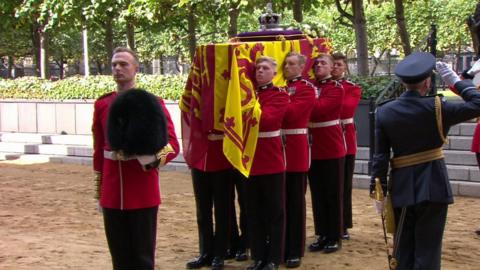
98,138
172,149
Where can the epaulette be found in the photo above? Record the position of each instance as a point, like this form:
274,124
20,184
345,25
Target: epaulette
105,95
385,102
280,89
338,84
436,95
350,82
308,83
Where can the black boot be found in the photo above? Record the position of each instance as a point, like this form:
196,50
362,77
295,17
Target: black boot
199,262
318,245
293,262
257,265
270,266
217,263
332,246
241,255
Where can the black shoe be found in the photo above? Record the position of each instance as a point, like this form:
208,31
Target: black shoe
257,265
332,246
477,231
230,254
270,266
199,262
293,262
217,263
241,255
346,235
318,245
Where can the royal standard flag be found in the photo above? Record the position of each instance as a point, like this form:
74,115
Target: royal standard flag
220,95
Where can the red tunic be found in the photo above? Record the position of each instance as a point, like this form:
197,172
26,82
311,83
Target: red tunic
302,98
351,99
328,141
476,135
214,159
269,156
124,184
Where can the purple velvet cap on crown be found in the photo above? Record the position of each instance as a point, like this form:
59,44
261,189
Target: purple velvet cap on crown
270,35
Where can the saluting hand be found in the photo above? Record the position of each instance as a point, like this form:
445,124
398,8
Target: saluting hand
448,75
475,69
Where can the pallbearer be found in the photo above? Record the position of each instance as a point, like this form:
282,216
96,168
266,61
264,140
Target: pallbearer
265,188
212,186
353,93
302,98
328,157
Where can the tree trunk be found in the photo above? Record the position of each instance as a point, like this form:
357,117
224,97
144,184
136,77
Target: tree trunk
402,27
108,44
233,13
473,23
99,63
130,34
376,61
62,70
192,25
361,39
10,67
36,47
298,10
44,72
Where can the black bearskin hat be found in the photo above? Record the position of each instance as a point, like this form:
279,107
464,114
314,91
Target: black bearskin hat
136,123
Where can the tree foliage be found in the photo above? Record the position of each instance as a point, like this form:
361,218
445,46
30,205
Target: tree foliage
161,27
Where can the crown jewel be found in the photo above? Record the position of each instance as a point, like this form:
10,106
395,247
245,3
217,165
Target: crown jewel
270,21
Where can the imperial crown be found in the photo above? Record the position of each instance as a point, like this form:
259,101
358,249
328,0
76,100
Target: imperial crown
270,21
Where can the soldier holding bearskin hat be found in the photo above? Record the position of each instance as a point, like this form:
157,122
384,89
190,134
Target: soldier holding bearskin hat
133,135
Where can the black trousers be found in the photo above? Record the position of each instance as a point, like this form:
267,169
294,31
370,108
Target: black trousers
266,216
131,237
347,191
238,235
420,245
296,184
326,187
212,190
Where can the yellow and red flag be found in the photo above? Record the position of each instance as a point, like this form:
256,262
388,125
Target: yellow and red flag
220,95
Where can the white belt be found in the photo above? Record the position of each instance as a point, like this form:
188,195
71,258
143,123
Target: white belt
347,121
215,137
269,134
294,131
324,124
114,155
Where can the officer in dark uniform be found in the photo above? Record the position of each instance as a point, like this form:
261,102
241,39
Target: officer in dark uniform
414,127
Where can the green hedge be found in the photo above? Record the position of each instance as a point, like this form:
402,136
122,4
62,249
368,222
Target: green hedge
78,87
371,86
168,87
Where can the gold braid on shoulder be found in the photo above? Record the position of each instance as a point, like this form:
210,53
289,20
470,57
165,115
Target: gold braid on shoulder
438,114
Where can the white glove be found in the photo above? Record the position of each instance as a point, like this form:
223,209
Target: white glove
379,206
475,69
99,207
448,75
146,159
